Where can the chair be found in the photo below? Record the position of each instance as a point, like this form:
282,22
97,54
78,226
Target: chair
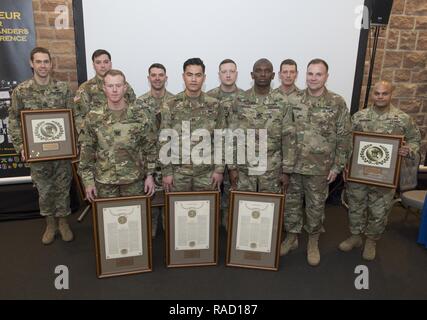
407,195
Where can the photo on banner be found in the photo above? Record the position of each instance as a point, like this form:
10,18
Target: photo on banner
17,39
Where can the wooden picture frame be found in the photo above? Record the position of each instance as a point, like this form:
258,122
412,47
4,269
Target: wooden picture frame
375,159
48,134
254,230
191,228
127,252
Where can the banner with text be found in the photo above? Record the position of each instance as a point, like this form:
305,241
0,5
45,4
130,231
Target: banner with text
17,39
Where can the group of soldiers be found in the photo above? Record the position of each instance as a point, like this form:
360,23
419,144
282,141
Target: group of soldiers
309,142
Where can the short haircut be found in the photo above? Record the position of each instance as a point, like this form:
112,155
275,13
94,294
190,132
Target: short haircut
194,61
156,65
289,62
39,50
226,61
319,61
100,52
262,61
113,73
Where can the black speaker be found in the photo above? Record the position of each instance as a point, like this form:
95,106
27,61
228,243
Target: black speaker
380,11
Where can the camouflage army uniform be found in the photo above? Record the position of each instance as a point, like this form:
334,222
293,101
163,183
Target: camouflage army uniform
52,178
118,150
90,95
222,96
273,113
323,135
369,205
203,112
292,93
152,105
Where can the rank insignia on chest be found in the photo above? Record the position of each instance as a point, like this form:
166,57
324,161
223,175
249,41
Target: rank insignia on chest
117,132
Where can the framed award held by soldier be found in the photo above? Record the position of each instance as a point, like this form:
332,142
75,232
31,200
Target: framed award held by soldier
375,159
191,228
122,234
48,134
254,230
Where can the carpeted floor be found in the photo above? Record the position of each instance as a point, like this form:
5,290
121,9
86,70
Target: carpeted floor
399,272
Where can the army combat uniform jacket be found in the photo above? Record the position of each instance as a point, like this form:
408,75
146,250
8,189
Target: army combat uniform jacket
91,95
117,147
274,114
203,112
394,122
323,133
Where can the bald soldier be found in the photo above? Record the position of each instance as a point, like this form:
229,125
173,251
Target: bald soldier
369,205
323,139
91,93
259,108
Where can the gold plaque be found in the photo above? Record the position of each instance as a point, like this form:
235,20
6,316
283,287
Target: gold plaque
50,146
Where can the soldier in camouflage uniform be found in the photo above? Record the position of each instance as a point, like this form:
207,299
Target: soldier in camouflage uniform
118,145
91,94
259,108
323,135
288,74
369,205
227,76
200,111
52,178
152,101
226,91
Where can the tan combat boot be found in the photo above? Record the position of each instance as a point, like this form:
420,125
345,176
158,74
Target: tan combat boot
354,241
64,230
290,243
369,250
49,234
313,254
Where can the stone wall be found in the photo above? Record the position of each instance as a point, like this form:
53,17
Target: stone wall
402,59
60,41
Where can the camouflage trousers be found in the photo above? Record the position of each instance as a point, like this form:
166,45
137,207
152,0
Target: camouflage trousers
53,182
120,190
315,190
368,209
268,182
185,180
225,198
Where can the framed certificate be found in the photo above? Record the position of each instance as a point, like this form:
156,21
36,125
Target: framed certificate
48,134
192,228
254,229
375,159
122,233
